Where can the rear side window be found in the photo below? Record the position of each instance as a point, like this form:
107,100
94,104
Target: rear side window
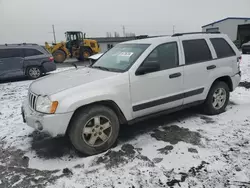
9,53
196,51
45,50
222,48
31,52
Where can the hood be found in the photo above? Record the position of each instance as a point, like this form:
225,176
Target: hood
55,83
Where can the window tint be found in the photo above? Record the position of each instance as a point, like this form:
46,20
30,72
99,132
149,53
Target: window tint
196,51
8,53
166,55
31,52
222,48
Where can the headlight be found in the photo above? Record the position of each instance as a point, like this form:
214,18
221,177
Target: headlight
45,105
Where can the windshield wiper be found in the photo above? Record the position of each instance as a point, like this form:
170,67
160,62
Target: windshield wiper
102,68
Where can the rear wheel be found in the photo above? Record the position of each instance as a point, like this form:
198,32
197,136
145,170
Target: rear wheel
217,99
34,72
59,56
94,129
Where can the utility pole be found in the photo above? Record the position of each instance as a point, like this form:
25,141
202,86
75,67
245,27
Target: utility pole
173,29
124,31
54,33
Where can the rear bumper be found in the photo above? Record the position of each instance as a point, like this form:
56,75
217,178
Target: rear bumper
49,66
54,124
236,80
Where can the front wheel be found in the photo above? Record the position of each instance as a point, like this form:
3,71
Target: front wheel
217,99
94,129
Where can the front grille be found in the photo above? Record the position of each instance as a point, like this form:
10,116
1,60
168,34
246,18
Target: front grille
32,100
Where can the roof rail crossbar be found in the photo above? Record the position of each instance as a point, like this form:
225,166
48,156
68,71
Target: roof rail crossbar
180,34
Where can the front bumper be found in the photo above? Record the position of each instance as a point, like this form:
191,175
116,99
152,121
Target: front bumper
54,124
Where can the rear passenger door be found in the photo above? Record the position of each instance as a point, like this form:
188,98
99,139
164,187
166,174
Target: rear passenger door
198,68
11,63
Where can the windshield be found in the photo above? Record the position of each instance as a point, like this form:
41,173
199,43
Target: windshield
121,57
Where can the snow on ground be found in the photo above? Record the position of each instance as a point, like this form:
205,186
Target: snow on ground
184,149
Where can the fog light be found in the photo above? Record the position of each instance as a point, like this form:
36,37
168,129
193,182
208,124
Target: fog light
39,126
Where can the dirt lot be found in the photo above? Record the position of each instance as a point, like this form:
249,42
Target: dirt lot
184,149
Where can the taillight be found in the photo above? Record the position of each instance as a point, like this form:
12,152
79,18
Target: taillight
239,59
239,62
51,59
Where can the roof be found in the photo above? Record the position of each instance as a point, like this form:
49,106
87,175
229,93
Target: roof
163,39
21,44
228,18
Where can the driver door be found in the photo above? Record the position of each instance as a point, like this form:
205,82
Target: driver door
160,89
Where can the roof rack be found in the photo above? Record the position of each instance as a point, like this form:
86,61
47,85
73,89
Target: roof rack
32,44
180,34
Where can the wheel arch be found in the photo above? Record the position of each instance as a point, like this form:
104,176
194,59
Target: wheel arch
227,80
108,103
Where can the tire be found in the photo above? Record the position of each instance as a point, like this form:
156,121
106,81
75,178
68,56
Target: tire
85,126
34,72
59,56
84,53
209,106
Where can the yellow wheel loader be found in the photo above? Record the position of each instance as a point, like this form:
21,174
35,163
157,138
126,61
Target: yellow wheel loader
76,46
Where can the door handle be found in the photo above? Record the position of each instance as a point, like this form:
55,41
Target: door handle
175,75
211,67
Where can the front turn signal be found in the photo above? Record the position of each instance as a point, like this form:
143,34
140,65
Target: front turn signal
53,107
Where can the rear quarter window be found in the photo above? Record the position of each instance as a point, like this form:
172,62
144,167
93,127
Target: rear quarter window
222,48
28,52
45,50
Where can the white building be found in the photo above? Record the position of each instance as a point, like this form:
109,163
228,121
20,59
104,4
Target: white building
107,43
238,29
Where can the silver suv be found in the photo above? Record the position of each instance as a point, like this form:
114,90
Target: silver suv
30,60
133,81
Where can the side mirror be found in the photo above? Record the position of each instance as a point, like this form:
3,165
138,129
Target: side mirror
148,68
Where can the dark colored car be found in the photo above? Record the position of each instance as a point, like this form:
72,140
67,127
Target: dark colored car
246,48
18,60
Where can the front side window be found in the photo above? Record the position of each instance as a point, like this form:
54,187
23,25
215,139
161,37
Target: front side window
222,48
121,57
31,52
165,55
9,53
196,51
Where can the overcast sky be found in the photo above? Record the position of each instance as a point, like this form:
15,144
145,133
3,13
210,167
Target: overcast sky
31,20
